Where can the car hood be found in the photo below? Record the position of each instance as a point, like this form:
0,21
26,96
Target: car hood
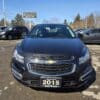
72,47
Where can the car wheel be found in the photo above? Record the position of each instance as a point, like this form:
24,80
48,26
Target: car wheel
9,37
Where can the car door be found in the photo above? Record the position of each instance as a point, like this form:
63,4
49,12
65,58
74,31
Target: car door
24,32
97,36
89,36
11,31
18,32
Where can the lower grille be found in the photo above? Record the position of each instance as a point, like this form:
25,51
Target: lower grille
50,69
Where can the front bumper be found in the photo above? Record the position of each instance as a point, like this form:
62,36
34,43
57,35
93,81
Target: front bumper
75,80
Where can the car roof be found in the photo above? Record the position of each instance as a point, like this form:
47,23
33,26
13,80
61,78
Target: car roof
18,26
2,26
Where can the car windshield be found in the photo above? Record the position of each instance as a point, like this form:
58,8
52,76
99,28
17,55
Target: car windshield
52,31
87,30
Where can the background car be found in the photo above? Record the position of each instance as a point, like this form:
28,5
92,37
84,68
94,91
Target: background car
2,28
80,31
15,32
91,35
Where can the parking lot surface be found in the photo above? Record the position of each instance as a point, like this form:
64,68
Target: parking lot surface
10,89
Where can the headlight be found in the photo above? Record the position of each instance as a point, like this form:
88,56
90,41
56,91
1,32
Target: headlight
2,33
18,57
84,58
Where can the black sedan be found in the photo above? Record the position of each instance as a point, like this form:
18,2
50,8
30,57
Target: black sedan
52,57
14,32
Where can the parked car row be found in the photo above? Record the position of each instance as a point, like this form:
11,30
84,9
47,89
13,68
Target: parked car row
89,35
14,32
18,32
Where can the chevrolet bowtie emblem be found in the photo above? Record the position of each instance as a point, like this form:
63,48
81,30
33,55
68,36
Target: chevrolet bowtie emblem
51,62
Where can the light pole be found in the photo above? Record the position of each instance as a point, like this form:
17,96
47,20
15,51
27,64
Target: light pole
3,10
86,23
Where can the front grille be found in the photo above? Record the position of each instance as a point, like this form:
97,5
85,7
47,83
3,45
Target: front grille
50,69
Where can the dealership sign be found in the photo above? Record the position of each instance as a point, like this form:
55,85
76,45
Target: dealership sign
29,14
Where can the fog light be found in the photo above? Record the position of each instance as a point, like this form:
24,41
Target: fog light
85,76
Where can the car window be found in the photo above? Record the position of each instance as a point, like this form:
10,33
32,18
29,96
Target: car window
52,31
9,28
94,31
3,28
25,29
98,30
17,28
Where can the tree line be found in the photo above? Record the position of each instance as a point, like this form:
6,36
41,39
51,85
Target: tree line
18,20
87,22
90,21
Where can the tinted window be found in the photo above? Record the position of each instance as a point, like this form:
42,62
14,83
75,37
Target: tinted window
2,28
95,31
18,28
21,29
98,30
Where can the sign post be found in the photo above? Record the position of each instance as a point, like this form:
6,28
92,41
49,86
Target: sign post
29,15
